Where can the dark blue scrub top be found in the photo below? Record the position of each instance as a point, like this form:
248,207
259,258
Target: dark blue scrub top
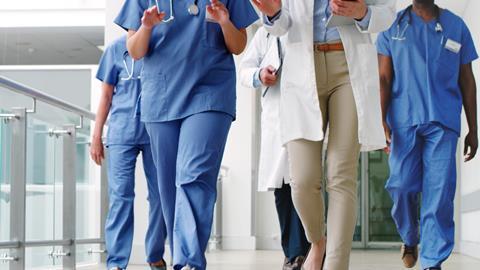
188,68
426,74
124,126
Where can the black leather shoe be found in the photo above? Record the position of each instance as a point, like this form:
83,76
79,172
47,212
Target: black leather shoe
297,263
286,264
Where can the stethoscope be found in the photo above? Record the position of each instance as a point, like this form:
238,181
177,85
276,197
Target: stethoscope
401,33
129,73
192,10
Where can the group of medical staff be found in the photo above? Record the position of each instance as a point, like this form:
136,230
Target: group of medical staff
169,92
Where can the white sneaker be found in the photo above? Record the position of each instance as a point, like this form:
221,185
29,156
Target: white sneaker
188,268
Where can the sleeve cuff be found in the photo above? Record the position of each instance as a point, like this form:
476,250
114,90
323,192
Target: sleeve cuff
270,21
256,79
365,22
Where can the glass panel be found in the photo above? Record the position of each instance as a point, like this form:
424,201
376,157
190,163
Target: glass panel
88,255
4,265
41,157
88,192
40,258
381,226
5,148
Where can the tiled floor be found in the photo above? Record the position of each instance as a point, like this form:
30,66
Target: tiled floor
361,260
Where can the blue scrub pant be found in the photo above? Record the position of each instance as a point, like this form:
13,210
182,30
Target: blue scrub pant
423,161
119,224
294,240
188,154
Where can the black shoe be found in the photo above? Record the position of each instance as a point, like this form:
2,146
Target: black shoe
433,268
286,264
297,263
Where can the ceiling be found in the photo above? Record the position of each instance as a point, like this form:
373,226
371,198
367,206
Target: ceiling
51,45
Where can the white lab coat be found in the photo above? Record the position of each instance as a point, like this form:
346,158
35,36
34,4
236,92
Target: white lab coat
300,113
273,167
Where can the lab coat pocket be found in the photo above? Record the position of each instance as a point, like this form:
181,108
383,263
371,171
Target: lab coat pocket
369,66
295,66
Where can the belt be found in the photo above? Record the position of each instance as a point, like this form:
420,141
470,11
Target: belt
328,47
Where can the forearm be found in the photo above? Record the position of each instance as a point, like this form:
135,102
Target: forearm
385,97
137,43
102,114
470,104
235,39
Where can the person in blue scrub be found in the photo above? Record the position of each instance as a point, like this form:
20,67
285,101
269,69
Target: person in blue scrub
426,74
126,139
187,104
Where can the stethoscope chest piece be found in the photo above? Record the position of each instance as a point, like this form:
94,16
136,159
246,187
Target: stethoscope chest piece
193,10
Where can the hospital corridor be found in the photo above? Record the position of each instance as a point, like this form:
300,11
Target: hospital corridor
239,135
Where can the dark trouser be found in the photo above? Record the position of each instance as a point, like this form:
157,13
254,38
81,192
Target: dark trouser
294,241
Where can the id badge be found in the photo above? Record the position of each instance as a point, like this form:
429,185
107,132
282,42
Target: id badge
453,46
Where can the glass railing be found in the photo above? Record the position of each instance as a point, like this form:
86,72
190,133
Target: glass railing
52,200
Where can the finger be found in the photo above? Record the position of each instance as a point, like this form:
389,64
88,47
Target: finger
271,69
269,76
473,153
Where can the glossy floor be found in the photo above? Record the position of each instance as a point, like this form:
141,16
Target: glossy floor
361,260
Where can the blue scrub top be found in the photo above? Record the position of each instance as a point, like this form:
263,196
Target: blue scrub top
426,73
188,68
124,126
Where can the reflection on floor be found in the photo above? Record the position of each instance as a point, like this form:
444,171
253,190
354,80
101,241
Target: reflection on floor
361,260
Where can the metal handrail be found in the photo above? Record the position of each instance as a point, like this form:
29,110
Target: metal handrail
43,97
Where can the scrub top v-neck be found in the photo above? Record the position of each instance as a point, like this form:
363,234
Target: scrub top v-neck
188,68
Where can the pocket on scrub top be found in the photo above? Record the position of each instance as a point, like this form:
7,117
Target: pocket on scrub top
154,92
448,64
213,36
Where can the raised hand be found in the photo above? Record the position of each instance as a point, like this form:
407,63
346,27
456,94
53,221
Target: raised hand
268,7
268,76
152,17
356,9
218,12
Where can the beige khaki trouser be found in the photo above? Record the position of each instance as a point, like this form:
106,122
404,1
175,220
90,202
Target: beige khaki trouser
305,160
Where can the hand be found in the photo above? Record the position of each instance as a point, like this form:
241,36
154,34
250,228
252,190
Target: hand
267,76
96,150
218,12
388,135
471,143
268,7
356,9
151,17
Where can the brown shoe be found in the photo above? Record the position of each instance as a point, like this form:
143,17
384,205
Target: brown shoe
409,256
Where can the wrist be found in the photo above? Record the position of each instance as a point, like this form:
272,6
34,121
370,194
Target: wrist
363,14
147,27
273,14
225,23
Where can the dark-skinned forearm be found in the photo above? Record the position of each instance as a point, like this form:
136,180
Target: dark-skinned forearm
469,95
